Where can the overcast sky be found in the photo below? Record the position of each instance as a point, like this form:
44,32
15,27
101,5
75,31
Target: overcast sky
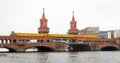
24,15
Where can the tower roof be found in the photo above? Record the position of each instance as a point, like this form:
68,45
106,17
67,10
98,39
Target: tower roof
73,18
43,16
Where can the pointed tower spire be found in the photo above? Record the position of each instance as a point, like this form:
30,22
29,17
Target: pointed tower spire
73,19
43,16
73,28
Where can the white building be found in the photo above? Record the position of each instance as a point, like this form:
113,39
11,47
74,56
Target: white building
115,33
104,34
109,34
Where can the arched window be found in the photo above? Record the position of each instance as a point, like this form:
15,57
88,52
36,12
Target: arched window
41,41
14,41
48,41
38,41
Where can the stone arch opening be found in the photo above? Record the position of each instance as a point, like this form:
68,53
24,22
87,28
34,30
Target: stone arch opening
109,48
14,41
7,49
39,49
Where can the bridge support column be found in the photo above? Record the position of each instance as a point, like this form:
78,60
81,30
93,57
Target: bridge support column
2,41
94,47
21,48
60,46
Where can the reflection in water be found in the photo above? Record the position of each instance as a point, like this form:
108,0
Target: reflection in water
62,57
3,55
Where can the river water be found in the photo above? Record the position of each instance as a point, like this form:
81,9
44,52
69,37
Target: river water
62,57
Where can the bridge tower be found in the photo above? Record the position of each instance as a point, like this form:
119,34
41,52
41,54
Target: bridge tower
73,29
43,24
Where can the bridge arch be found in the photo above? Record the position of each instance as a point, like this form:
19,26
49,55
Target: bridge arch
41,48
109,48
9,49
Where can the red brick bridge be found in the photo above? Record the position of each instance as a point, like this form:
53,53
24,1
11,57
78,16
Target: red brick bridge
48,44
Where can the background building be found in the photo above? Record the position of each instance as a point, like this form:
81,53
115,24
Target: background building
109,34
115,33
89,30
104,34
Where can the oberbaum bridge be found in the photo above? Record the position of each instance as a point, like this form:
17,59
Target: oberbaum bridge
45,42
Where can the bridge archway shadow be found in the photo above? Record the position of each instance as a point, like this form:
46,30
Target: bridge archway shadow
6,49
39,49
109,48
79,47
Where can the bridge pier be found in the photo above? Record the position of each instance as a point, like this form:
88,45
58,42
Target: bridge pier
20,47
20,50
94,47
